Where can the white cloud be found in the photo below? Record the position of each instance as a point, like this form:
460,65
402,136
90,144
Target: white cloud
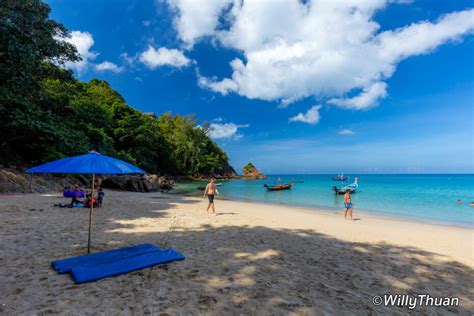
83,42
225,130
322,49
310,117
129,60
154,58
421,38
369,97
196,19
108,66
346,132
222,87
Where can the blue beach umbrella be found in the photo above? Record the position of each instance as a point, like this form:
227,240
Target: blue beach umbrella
91,163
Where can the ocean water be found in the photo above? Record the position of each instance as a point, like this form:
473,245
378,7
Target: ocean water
425,197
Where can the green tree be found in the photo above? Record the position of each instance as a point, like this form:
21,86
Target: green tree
48,114
28,43
28,39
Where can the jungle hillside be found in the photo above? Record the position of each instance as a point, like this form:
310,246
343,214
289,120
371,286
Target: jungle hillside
48,114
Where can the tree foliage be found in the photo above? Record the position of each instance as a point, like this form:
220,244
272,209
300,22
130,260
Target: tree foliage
249,167
48,114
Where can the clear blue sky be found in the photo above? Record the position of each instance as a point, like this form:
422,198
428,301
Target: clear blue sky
315,88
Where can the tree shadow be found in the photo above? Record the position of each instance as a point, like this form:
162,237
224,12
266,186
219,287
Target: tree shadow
248,270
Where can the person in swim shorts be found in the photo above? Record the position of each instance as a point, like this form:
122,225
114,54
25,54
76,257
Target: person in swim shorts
211,191
348,203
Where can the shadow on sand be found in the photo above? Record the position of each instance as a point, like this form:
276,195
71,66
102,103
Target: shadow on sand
258,269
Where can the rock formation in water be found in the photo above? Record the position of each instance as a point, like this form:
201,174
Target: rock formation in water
250,172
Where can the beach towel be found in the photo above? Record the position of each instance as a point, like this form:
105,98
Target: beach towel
73,193
65,265
84,274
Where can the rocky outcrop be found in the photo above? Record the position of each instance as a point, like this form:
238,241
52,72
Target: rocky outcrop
132,183
250,172
15,181
160,183
138,183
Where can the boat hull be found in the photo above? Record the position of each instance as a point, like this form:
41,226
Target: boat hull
341,191
278,187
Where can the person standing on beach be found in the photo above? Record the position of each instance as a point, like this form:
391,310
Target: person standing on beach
210,191
348,203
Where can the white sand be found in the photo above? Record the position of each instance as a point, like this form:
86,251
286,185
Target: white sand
250,259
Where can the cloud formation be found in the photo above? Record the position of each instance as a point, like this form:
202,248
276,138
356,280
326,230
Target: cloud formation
367,98
226,130
108,66
83,42
196,19
346,132
329,50
223,87
163,56
310,117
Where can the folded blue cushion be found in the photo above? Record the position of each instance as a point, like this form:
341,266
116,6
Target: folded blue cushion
84,274
65,265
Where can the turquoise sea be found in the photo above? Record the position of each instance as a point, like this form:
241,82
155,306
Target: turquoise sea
430,197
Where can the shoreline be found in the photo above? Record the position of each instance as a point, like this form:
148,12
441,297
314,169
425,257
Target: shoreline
314,208
326,209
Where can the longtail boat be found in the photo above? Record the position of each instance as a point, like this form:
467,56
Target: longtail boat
340,177
352,188
278,187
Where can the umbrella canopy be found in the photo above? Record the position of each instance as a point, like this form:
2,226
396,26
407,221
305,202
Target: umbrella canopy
91,163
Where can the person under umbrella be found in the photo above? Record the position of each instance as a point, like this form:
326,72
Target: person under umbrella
92,163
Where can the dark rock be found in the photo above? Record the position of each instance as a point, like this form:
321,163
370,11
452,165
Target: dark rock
160,182
17,181
137,183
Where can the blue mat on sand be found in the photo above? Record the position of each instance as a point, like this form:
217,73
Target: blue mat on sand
66,265
84,274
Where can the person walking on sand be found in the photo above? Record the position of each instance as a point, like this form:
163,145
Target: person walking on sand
348,203
210,191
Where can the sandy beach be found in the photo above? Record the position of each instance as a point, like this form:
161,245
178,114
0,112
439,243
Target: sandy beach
250,258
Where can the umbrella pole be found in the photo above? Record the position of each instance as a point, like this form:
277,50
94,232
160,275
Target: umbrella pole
90,214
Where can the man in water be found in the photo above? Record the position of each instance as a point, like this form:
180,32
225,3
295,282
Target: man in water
210,191
348,203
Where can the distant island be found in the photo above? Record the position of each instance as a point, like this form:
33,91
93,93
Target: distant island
250,172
